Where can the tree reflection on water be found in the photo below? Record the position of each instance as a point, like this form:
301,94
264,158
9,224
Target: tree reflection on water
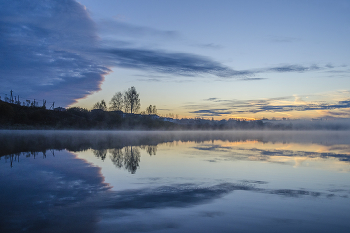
70,193
131,159
124,148
127,157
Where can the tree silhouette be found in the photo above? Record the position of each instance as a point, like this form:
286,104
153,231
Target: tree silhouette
100,105
131,100
117,102
151,110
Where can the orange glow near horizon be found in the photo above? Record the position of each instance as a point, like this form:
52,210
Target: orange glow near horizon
247,113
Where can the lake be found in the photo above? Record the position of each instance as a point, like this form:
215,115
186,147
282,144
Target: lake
207,181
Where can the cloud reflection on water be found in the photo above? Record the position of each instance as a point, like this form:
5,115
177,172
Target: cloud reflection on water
185,195
43,195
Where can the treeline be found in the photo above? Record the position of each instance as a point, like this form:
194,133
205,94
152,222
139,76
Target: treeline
14,116
121,114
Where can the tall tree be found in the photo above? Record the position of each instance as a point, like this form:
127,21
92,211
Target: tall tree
117,102
131,100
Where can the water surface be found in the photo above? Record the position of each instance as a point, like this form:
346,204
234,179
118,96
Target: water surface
253,181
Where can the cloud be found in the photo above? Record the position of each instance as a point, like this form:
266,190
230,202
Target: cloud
109,27
212,148
208,46
48,190
279,104
267,155
212,112
53,50
211,99
286,68
304,107
342,112
329,65
173,63
43,50
291,68
186,195
251,79
176,195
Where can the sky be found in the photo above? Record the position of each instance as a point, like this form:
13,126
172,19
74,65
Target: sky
210,59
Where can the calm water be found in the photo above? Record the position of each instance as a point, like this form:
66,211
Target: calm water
68,181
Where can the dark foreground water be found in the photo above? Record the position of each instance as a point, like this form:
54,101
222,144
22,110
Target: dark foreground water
68,181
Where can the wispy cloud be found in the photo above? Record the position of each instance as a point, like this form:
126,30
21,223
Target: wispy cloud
208,46
211,99
291,68
221,107
185,195
263,107
161,61
268,155
251,79
212,112
109,27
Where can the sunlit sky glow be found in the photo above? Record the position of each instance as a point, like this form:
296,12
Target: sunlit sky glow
221,59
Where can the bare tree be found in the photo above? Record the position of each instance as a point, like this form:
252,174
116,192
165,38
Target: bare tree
100,105
117,102
126,103
151,110
131,100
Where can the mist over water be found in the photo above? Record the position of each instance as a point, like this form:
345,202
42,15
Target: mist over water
186,181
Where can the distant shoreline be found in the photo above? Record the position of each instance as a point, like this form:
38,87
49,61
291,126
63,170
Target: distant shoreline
17,117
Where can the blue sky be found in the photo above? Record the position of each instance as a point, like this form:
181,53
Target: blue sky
220,59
